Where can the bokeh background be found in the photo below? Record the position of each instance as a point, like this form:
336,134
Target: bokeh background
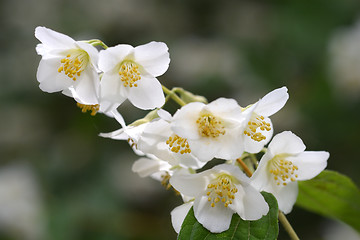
59,180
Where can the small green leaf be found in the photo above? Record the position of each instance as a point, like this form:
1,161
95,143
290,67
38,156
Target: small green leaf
265,228
332,195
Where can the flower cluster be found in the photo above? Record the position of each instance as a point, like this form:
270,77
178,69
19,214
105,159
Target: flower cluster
76,67
174,149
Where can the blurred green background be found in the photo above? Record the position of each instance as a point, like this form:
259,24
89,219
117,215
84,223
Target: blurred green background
59,180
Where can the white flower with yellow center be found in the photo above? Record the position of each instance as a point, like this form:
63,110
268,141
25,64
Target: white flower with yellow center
158,139
67,63
219,193
130,133
258,129
212,130
285,163
130,73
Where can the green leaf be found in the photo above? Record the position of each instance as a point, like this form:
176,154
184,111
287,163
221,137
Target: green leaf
265,228
332,195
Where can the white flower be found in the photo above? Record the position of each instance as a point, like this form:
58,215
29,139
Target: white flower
284,163
219,193
130,73
129,133
212,130
67,63
159,140
258,130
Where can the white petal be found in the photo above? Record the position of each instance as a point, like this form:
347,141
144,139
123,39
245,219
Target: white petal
113,56
117,135
159,129
111,88
230,145
286,196
188,161
237,203
147,95
42,50
135,132
87,86
119,118
91,51
107,107
261,177
178,215
234,171
184,120
216,219
255,205
272,102
286,142
204,149
226,108
69,92
190,185
54,39
309,164
153,141
153,57
252,146
164,115
50,79
145,167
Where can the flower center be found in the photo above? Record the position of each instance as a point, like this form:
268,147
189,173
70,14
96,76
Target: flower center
93,108
73,64
210,126
256,122
178,144
221,190
129,74
283,170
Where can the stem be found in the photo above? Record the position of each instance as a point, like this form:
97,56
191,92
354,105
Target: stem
167,98
254,160
243,165
289,229
173,96
287,226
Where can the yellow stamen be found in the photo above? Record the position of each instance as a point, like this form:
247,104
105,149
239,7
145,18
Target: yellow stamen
210,126
283,170
74,64
221,190
93,108
178,144
256,122
129,74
